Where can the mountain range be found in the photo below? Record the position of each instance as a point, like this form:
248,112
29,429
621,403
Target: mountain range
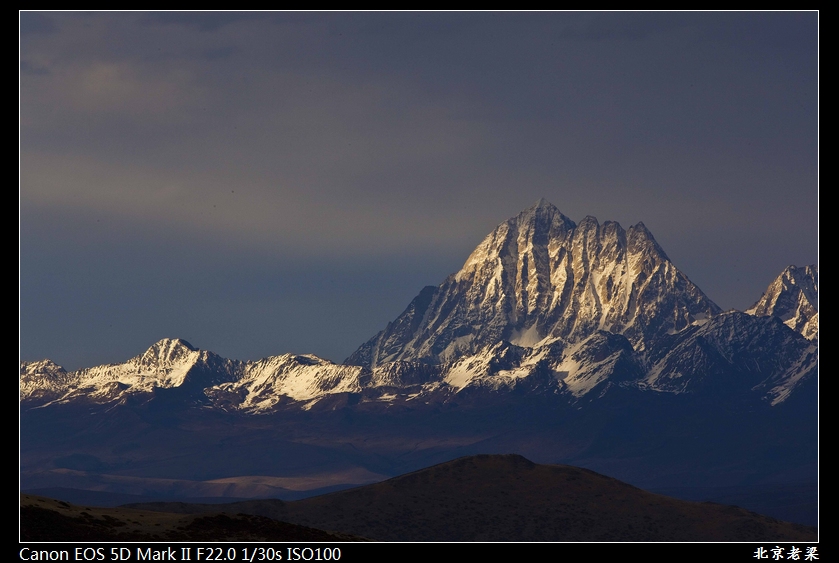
569,343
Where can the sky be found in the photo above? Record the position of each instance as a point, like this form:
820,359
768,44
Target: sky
262,183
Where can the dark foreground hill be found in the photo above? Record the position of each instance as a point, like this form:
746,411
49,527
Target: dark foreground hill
509,498
43,519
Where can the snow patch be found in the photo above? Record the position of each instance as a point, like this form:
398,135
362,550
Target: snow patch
526,338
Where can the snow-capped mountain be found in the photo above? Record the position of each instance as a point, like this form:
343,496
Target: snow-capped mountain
539,277
542,303
44,380
167,364
793,297
266,383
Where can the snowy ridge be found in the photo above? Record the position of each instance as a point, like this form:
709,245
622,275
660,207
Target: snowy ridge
405,375
793,297
542,305
495,367
802,370
734,352
603,358
167,364
44,379
267,382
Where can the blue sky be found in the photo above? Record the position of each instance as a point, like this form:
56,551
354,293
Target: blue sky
261,183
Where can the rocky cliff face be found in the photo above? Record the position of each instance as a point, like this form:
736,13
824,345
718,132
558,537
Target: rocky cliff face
793,297
540,277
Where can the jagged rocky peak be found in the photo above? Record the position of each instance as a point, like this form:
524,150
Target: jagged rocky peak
43,377
167,352
540,276
167,363
531,229
793,297
46,368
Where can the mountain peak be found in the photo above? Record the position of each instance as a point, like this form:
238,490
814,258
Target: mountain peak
793,297
541,207
532,228
167,352
174,342
795,274
540,276
541,204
